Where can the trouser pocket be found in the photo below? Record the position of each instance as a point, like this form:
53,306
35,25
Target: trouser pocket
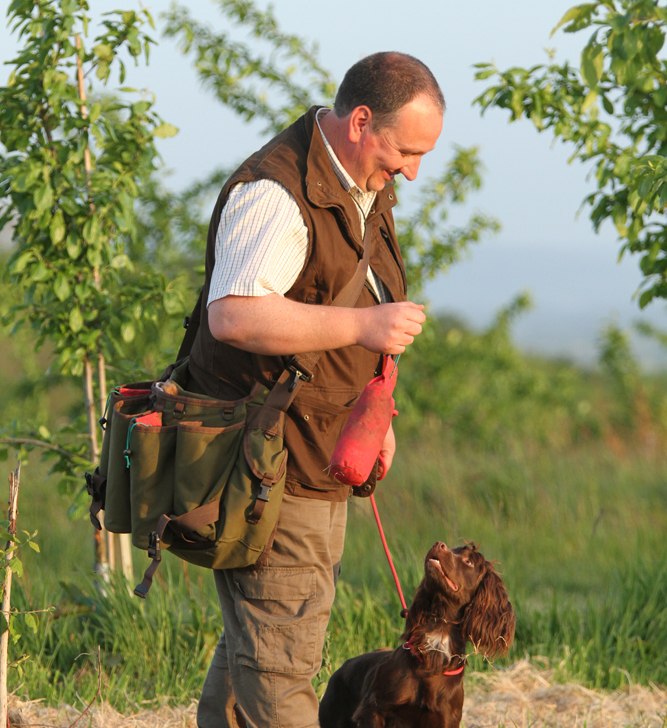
278,611
205,458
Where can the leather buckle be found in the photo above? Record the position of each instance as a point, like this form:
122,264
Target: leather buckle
154,546
299,373
264,491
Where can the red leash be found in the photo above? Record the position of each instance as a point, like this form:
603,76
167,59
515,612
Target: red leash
404,611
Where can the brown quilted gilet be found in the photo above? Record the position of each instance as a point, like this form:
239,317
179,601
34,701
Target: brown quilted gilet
298,160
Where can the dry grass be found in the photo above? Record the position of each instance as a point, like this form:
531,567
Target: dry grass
519,697
523,696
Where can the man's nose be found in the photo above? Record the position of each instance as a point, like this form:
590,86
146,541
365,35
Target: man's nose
409,170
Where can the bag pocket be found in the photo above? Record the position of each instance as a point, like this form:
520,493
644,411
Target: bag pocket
152,451
205,458
279,608
117,504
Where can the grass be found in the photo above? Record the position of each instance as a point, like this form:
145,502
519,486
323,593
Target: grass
556,473
580,538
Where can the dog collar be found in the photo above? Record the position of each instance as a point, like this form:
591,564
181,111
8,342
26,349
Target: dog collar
409,646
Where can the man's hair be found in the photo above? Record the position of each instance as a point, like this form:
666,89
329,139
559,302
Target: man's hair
385,82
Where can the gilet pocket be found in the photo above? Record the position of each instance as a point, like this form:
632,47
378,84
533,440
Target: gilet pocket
205,458
278,607
312,430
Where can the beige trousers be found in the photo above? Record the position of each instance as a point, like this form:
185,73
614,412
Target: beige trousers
275,619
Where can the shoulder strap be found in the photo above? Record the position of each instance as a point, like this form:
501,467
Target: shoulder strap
302,366
191,325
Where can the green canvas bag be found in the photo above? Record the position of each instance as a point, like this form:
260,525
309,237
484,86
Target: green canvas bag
203,478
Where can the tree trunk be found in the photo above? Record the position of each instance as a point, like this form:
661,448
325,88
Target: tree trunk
14,482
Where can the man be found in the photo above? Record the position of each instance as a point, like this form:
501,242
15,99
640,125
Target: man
286,236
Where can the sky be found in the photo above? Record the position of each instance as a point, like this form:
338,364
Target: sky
544,247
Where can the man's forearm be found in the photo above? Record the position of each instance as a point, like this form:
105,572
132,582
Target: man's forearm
274,325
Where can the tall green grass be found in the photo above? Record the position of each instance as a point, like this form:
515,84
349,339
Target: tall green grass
580,538
158,651
559,474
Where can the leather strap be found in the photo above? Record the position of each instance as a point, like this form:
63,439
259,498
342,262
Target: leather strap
95,485
281,396
191,329
180,525
302,366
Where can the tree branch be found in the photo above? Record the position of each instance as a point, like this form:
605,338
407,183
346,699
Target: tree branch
37,443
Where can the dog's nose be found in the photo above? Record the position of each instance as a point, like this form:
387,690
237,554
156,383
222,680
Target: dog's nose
440,546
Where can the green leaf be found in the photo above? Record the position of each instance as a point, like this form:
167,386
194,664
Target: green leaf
121,261
61,287
577,15
44,432
91,229
591,98
19,265
31,622
34,546
16,566
646,298
40,272
481,75
94,257
95,113
73,246
75,320
165,130
57,228
43,198
127,332
104,52
592,62
171,300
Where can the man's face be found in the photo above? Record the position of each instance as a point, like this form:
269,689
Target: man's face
399,147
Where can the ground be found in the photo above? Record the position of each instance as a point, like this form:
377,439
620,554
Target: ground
519,697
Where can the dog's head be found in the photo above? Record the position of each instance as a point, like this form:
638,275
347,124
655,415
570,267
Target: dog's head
465,587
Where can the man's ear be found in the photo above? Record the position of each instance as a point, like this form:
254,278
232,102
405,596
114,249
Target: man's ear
360,119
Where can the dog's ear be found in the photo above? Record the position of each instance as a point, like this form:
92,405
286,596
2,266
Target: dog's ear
489,620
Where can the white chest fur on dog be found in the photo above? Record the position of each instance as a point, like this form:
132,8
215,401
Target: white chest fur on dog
439,643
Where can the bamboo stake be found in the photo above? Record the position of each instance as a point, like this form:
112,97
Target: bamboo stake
102,386
126,557
101,543
84,109
91,414
101,565
14,482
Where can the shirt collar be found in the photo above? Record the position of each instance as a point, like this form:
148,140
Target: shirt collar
365,200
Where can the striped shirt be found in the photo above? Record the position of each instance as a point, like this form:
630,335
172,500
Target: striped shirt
262,240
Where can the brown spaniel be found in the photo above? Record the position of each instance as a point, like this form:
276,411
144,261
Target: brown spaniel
461,598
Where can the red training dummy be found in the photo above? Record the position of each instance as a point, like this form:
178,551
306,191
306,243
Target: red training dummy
359,445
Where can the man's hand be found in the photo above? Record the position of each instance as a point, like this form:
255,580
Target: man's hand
390,327
387,452
276,325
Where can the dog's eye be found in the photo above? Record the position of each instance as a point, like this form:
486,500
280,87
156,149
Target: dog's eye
468,562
